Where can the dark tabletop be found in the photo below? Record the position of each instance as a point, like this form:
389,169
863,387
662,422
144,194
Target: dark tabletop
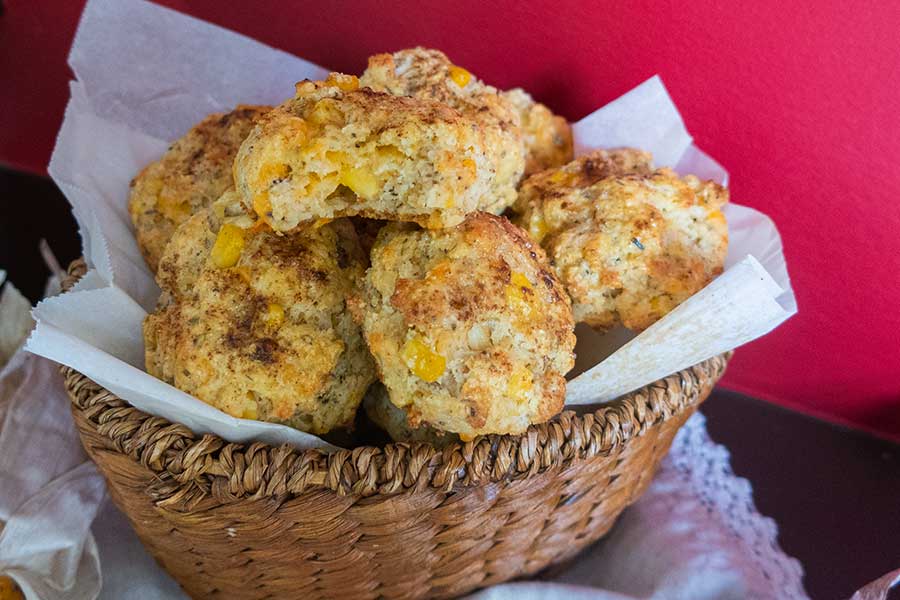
834,492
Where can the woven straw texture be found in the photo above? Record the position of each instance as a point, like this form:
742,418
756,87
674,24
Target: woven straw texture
403,521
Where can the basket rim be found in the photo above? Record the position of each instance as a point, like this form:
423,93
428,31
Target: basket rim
188,467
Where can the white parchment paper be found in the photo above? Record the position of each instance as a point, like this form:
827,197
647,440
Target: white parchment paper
145,74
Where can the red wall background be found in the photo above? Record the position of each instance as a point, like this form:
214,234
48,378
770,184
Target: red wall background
799,100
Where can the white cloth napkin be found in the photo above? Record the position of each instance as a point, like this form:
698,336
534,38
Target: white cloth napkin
49,495
694,534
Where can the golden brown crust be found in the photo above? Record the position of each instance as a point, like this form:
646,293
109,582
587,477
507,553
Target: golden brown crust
428,74
340,150
554,198
471,331
547,137
628,242
268,337
190,176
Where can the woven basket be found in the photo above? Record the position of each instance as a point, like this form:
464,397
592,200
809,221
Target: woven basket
403,521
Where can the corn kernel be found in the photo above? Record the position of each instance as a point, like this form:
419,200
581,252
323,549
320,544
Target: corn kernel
226,251
347,83
520,280
274,315
424,362
560,177
334,156
249,413
716,216
537,227
516,296
460,76
271,174
9,590
390,153
321,222
173,208
470,164
361,181
520,383
466,437
261,204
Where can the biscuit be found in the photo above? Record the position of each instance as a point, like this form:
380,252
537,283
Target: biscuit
471,332
255,323
629,243
429,75
555,198
547,137
395,423
190,176
339,150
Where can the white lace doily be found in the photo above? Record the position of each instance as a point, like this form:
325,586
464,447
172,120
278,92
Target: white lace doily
695,534
705,467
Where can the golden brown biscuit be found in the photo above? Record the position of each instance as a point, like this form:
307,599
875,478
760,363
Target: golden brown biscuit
190,176
555,198
629,243
547,137
428,74
471,331
255,323
340,150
